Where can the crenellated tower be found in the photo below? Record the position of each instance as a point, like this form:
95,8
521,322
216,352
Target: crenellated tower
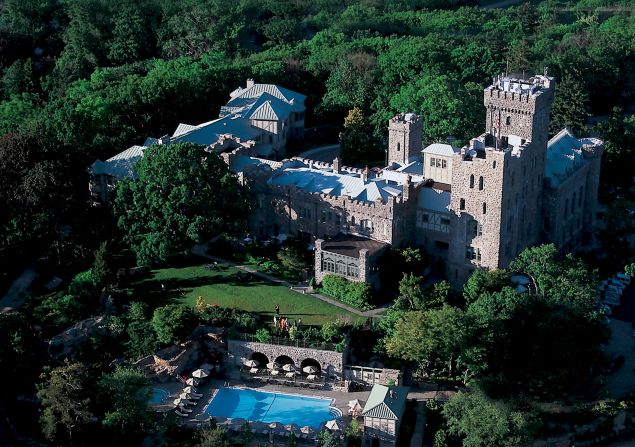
404,138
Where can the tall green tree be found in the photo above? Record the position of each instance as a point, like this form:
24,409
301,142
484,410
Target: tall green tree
356,141
172,323
182,195
570,107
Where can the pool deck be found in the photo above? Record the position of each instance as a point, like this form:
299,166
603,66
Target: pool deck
209,388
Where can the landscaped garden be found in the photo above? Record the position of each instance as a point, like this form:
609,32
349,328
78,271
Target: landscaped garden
230,287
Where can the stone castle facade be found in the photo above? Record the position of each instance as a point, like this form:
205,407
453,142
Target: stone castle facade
473,207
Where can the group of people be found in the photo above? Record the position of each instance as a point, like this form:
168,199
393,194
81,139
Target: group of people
283,322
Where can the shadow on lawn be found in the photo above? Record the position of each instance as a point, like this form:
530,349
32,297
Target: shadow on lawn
159,292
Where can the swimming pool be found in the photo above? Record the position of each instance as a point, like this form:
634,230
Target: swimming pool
158,396
253,405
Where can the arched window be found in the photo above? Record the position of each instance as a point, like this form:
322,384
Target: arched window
472,181
480,183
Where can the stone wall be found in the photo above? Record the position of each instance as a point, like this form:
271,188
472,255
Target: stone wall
404,138
330,361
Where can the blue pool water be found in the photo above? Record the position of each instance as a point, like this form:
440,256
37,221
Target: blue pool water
158,396
253,405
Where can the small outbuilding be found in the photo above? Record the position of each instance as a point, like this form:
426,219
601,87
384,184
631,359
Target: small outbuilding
382,415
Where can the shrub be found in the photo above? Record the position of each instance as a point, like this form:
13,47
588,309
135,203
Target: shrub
293,333
356,294
263,336
173,322
330,330
246,322
311,334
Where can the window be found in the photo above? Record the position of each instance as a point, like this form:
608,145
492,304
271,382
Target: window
462,204
432,162
352,220
438,162
484,208
352,270
472,253
508,120
328,265
425,217
367,224
445,221
476,228
444,164
480,183
340,268
494,164
323,216
398,147
472,181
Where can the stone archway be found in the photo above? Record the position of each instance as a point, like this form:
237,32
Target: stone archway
283,360
260,358
311,362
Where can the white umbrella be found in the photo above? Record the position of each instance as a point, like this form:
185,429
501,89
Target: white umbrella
289,367
355,404
252,363
307,430
199,374
273,365
178,401
310,369
332,425
191,381
274,425
184,396
189,389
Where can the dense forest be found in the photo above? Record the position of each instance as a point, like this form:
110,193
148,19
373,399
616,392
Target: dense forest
84,79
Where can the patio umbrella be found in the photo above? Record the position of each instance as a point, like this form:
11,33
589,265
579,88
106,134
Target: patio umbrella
199,374
184,396
252,363
310,369
355,404
189,389
289,367
274,425
178,402
332,425
307,430
191,381
273,365
291,427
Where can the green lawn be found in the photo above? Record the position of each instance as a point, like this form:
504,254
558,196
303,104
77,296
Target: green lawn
224,288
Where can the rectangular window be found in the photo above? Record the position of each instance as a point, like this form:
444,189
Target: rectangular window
425,218
444,164
438,163
445,221
472,253
323,216
462,204
432,161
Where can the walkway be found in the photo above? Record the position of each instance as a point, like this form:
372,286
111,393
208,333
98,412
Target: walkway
201,250
18,291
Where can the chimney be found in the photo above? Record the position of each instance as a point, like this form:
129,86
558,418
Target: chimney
407,188
365,175
336,164
250,83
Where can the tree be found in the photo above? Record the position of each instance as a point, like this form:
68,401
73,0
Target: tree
295,256
480,421
66,402
142,338
102,266
357,145
570,107
124,396
182,195
411,295
131,35
430,338
326,438
213,437
483,281
172,323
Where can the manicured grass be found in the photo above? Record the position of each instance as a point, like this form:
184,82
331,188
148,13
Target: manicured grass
224,287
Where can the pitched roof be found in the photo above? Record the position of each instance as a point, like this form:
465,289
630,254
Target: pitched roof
564,156
382,404
209,132
269,110
284,94
440,149
121,165
434,199
350,246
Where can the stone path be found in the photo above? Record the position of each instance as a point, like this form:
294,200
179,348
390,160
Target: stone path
201,250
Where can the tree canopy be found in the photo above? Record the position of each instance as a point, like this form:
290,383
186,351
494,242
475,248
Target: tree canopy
182,195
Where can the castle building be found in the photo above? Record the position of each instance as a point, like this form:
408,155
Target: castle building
473,207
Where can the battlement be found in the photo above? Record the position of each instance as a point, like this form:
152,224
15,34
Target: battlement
405,118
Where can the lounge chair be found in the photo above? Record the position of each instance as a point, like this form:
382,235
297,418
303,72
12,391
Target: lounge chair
184,409
184,415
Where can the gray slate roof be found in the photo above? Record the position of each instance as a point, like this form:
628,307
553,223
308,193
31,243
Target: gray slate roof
564,155
121,165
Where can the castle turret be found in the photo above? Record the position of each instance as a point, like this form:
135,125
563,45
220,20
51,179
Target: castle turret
404,137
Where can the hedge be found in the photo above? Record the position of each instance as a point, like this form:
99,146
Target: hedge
356,294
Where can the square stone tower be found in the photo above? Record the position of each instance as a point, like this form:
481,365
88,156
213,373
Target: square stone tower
404,138
497,181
